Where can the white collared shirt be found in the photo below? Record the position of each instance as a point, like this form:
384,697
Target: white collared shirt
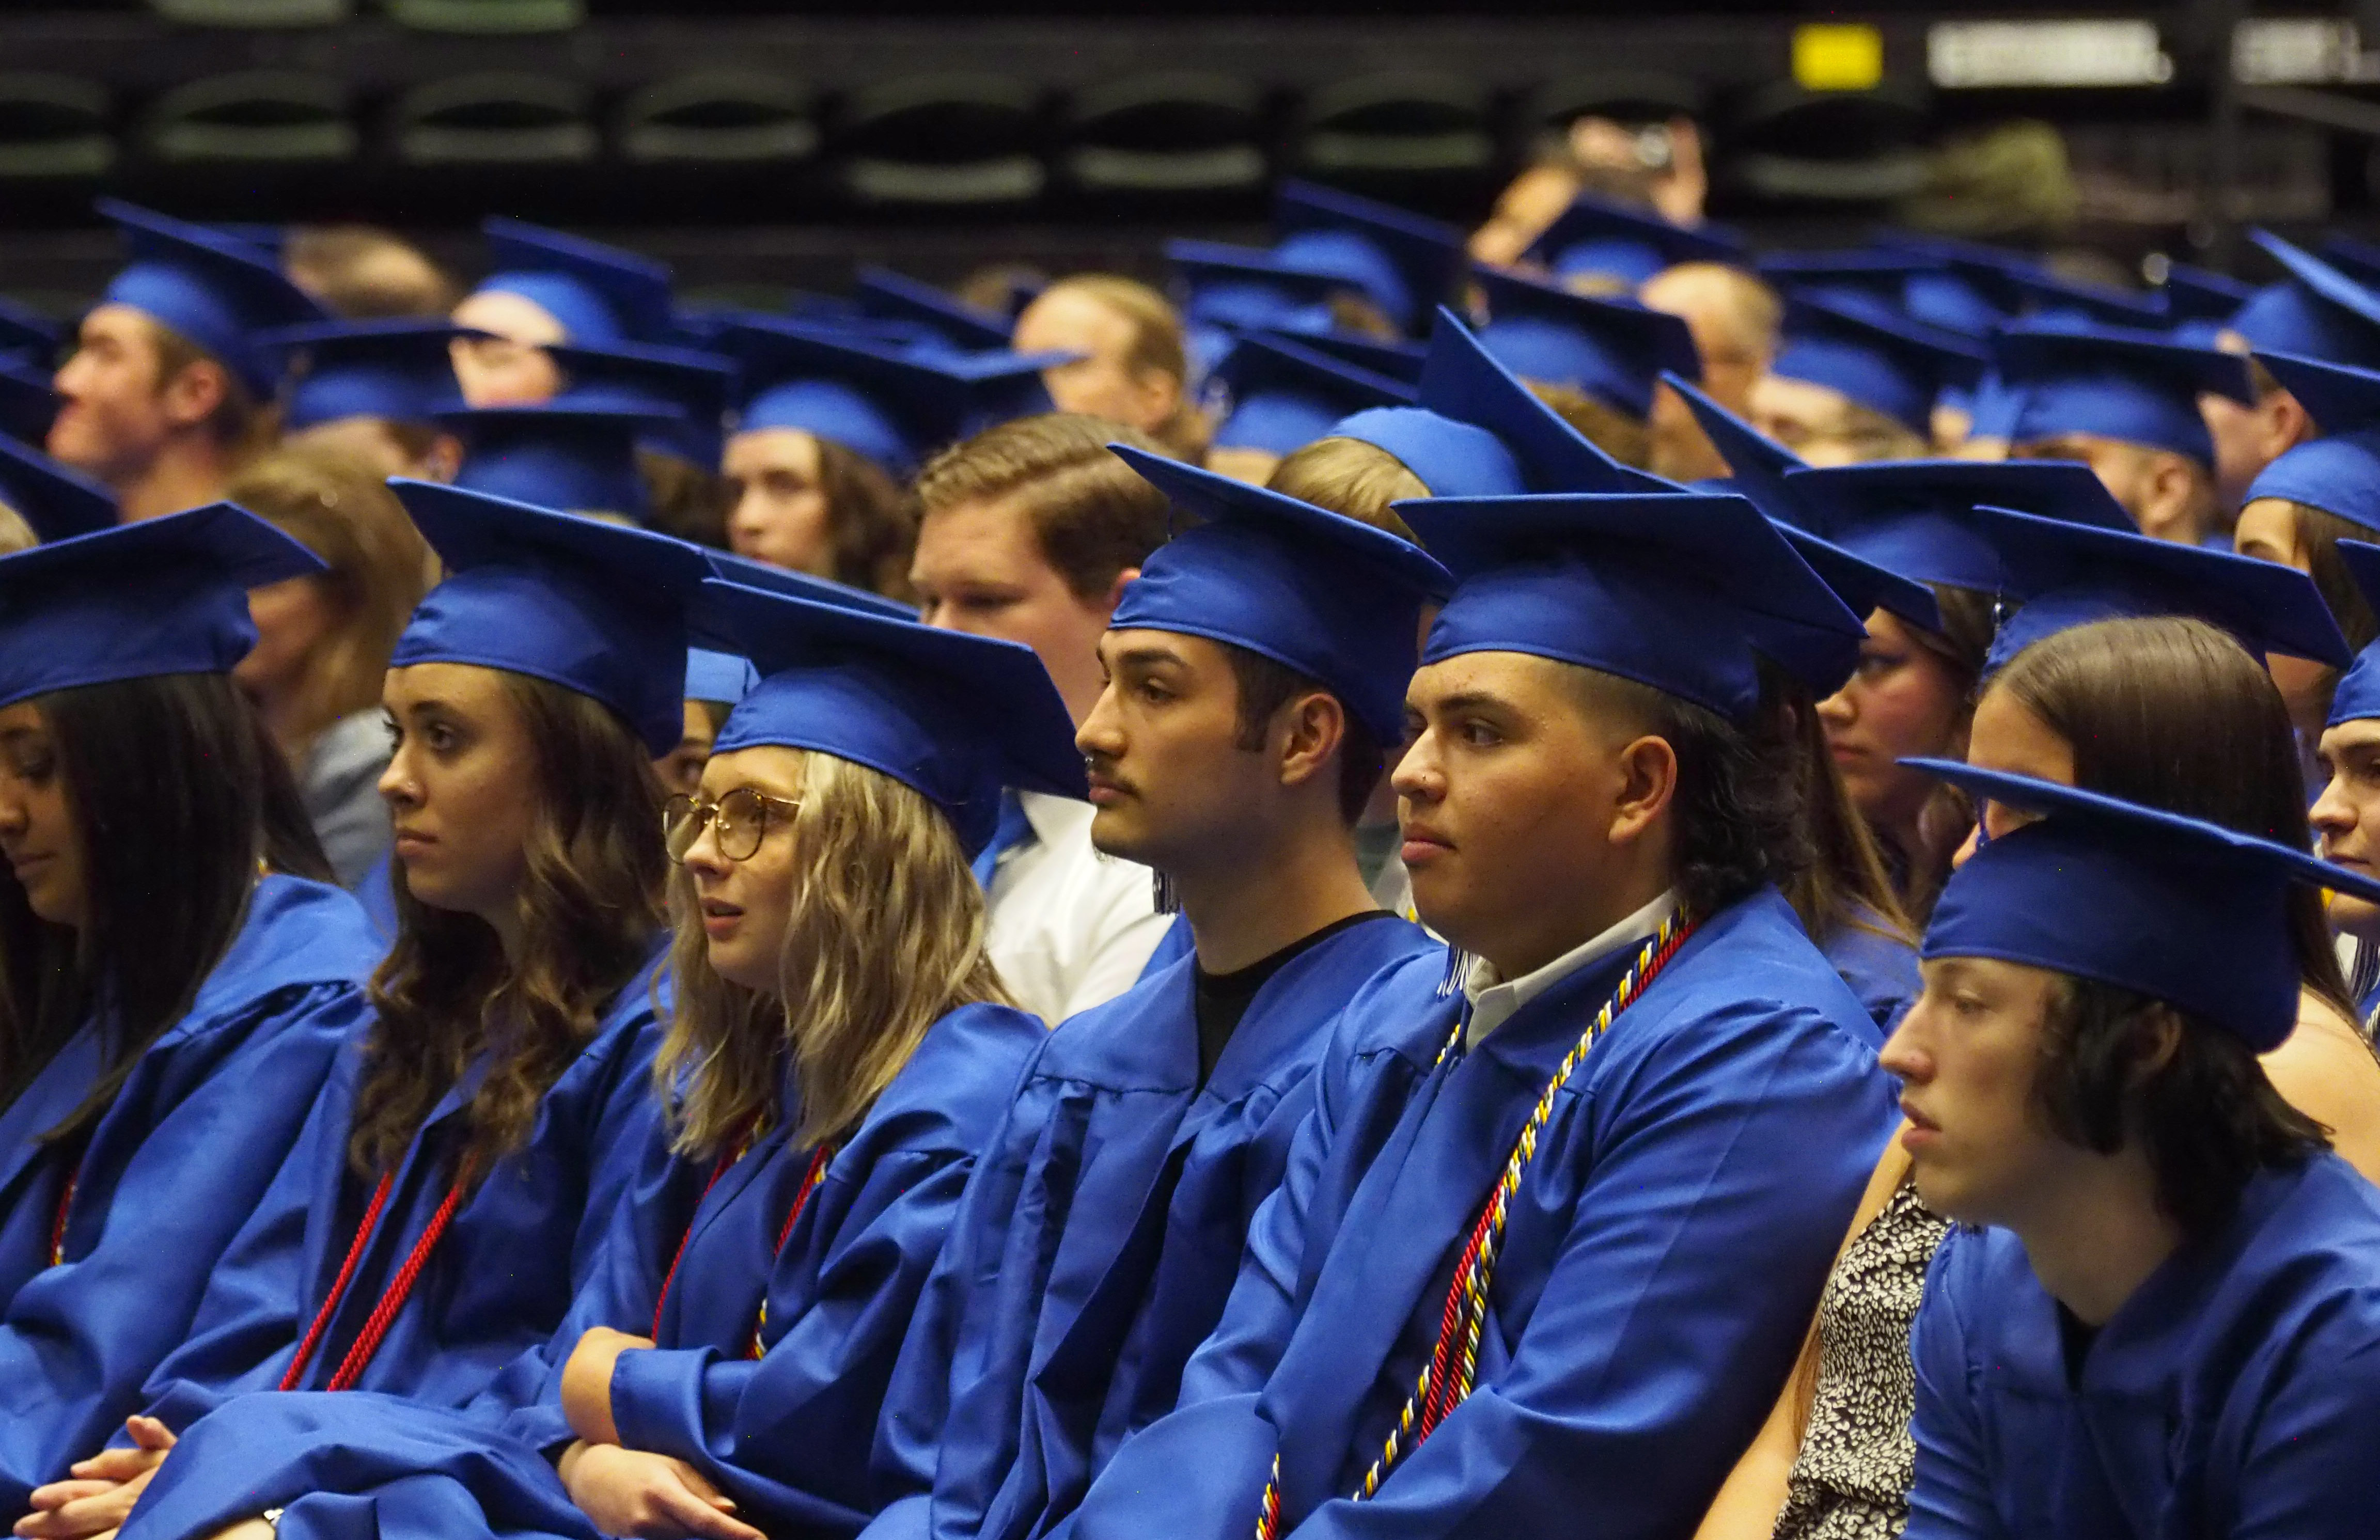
1493,1002
1070,929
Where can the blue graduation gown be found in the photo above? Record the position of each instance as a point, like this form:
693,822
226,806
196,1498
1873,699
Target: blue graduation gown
1881,971
1101,1234
2235,1393
497,1283
173,1166
1656,1278
787,1435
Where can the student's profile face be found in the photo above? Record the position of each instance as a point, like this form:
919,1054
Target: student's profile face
2347,817
115,418
777,507
2008,736
1101,383
979,568
1505,797
1814,421
1904,701
1967,1055
461,785
1170,784
744,907
37,830
681,768
509,367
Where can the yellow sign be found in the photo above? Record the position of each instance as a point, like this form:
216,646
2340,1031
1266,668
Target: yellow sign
1833,56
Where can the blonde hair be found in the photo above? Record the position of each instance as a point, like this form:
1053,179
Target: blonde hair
886,937
1157,347
1626,439
378,570
1352,478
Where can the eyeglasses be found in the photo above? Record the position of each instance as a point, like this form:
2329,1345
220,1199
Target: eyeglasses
740,818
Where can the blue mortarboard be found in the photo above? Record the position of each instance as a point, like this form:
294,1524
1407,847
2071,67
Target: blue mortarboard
400,369
2340,397
1876,356
1279,397
2317,311
2136,387
750,574
941,319
1947,293
690,390
2357,695
2179,910
56,501
136,600
892,406
954,717
213,291
2357,259
1597,238
1397,360
1338,601
594,607
1680,591
601,295
1610,349
1403,262
577,452
2195,294
721,677
2067,575
271,240
2339,472
1475,430
1246,287
1924,289
1918,519
1864,587
2025,287
27,403
29,335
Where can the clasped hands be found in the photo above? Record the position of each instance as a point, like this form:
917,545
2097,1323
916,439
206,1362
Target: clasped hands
632,1493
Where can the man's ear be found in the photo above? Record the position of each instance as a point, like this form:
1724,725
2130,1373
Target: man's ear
194,393
1648,783
2286,423
1308,735
2172,489
1114,596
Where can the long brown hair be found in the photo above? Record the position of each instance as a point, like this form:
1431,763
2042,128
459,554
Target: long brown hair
1843,883
874,528
2318,533
175,794
2173,713
1962,644
590,908
886,938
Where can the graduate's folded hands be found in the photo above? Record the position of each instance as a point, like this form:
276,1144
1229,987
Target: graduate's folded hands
587,1382
99,1491
641,1496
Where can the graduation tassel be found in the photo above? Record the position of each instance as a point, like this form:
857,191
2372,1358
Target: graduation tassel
1458,972
1168,901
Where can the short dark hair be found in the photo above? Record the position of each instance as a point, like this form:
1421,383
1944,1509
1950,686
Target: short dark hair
2207,1117
1265,686
1737,810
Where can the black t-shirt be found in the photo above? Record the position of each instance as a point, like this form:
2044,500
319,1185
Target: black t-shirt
1222,999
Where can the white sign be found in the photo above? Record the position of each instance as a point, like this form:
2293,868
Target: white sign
1970,55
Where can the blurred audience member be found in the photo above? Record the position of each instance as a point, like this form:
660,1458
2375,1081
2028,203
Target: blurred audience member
363,272
1734,318
1133,367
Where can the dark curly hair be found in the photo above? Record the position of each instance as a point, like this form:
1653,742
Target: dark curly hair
591,910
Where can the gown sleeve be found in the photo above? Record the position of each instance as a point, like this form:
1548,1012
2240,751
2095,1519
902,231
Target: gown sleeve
1952,1498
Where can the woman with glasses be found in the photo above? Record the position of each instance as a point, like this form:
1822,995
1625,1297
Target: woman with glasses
841,1049
449,1192
174,986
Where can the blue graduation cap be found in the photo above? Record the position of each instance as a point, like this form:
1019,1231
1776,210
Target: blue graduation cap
400,369
2027,287
722,677
1475,430
939,319
594,607
750,574
2067,575
601,295
57,502
891,405
2358,260
1397,360
2339,472
2175,908
2317,311
1945,293
1248,287
1600,239
689,391
28,335
217,292
1874,356
576,452
1680,591
27,403
1919,518
135,600
1279,397
1922,288
1403,262
1336,600
1610,349
271,240
2196,293
2136,387
2357,695
954,717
